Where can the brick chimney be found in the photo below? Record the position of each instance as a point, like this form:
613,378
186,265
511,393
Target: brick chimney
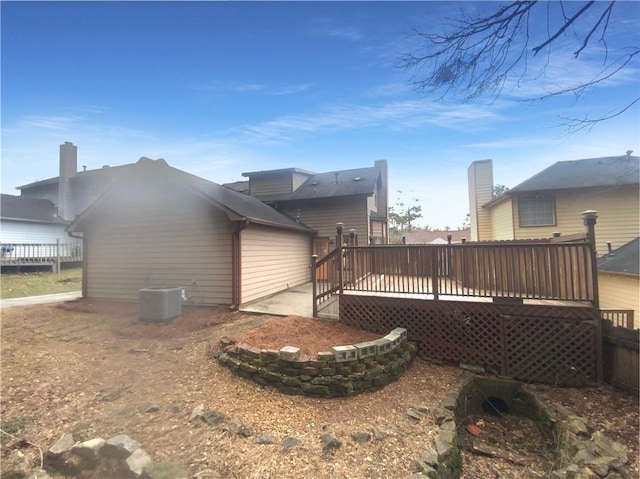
480,176
68,169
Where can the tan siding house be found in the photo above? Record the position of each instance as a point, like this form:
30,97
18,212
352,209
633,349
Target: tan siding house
179,240
620,292
273,260
157,226
358,198
501,218
324,214
619,279
553,200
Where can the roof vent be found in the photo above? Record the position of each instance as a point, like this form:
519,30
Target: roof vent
629,153
314,183
337,180
357,178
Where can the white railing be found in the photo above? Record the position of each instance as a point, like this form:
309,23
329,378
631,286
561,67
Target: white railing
37,254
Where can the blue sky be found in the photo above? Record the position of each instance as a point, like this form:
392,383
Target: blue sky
218,89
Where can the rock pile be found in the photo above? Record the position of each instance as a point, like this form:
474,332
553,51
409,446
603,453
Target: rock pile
581,453
119,456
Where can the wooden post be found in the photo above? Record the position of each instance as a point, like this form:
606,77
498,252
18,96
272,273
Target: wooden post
434,272
314,284
57,265
339,229
589,218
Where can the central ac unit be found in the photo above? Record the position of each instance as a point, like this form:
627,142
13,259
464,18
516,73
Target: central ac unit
159,304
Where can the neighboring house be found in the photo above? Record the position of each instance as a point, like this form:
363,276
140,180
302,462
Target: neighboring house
436,236
619,280
31,221
72,191
159,226
553,200
358,198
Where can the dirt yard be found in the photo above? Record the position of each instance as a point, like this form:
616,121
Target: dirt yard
91,369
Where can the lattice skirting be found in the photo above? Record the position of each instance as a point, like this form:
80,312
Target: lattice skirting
535,343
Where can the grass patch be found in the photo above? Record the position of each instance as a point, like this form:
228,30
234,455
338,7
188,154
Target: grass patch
20,285
14,426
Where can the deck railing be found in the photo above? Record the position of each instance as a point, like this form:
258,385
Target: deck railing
619,318
502,270
40,254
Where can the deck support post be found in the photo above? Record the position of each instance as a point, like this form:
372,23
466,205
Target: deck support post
434,272
339,230
589,218
314,284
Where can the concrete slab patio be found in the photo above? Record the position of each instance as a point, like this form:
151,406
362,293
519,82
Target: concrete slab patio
295,301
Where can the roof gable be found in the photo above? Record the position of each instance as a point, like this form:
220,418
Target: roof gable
359,181
593,172
237,205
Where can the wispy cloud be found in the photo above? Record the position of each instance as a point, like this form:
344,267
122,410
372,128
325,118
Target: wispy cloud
290,89
49,122
231,87
509,143
337,29
348,33
93,109
234,87
395,115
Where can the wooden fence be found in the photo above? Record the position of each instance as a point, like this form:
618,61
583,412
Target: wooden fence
621,350
40,254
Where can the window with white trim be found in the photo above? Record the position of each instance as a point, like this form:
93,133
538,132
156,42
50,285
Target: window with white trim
537,211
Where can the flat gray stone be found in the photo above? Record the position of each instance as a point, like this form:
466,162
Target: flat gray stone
289,443
265,438
63,444
138,461
121,446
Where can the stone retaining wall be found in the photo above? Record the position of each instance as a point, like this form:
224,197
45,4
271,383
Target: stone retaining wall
343,371
581,453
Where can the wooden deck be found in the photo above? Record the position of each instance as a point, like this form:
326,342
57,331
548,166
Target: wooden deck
40,254
523,310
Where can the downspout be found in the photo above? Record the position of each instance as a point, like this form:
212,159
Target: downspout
236,265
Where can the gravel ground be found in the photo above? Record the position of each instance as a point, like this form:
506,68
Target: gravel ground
90,368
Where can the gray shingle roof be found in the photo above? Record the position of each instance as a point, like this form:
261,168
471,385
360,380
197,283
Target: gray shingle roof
28,209
106,172
359,181
244,206
592,172
625,259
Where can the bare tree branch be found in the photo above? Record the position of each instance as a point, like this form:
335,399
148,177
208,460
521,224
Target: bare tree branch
475,56
561,30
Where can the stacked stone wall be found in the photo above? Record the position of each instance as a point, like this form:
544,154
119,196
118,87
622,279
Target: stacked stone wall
344,371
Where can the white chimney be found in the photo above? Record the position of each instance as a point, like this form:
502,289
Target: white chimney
68,169
480,176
